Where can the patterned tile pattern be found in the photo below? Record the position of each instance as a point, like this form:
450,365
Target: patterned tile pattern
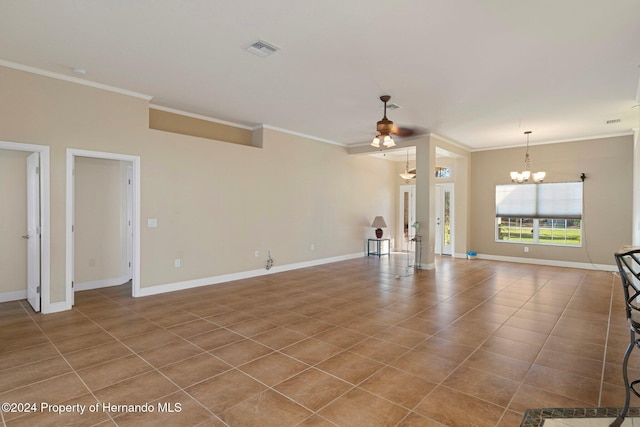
354,343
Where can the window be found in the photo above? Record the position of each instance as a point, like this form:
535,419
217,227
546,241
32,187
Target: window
442,172
549,213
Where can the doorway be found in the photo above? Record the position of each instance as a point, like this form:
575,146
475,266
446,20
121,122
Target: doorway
131,202
407,217
444,219
38,225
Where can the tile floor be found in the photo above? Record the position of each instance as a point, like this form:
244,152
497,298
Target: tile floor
354,343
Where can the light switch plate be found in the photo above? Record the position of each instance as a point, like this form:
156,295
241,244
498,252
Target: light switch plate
152,222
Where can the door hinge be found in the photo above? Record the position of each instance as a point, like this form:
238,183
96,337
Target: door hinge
38,289
72,283
73,228
37,169
129,264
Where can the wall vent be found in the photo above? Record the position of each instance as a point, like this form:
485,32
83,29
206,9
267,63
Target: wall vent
262,48
613,121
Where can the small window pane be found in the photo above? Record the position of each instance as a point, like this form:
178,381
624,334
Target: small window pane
515,229
516,200
560,200
560,231
442,172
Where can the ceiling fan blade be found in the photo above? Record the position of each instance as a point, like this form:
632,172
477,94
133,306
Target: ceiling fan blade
402,131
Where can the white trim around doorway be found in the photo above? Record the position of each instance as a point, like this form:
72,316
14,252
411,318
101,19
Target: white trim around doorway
46,306
135,162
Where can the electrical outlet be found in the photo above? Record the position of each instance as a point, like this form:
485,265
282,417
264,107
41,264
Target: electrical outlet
526,248
257,254
313,247
178,262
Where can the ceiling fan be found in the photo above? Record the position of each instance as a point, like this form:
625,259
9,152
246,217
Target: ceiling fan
386,128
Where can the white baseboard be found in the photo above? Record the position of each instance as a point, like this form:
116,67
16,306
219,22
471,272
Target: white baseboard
97,284
13,296
214,280
44,308
554,263
427,266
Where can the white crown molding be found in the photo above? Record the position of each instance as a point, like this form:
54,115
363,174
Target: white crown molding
71,79
452,142
303,135
557,141
199,117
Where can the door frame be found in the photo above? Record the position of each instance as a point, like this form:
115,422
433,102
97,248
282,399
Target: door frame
411,189
70,206
45,221
439,203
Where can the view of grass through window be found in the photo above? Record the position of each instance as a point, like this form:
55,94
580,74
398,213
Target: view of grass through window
544,231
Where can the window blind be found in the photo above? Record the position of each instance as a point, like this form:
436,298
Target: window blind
558,200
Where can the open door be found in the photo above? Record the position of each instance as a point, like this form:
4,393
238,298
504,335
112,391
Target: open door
33,231
444,219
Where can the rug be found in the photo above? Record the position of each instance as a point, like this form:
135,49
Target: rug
537,417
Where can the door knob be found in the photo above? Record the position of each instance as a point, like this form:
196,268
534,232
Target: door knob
26,236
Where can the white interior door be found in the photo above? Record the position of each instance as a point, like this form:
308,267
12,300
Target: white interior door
130,222
407,216
33,231
444,219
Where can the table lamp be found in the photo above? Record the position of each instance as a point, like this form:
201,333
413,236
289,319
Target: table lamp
379,224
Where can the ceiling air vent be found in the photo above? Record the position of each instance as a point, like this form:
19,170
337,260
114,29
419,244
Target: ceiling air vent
613,121
392,106
262,48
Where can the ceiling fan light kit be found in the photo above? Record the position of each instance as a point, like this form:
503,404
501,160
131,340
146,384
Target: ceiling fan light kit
384,128
525,175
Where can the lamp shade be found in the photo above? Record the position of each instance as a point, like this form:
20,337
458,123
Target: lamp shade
378,222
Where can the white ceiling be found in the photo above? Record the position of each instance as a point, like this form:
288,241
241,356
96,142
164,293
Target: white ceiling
478,73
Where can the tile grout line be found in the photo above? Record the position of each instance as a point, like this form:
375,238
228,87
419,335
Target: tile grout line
606,342
67,361
142,358
548,335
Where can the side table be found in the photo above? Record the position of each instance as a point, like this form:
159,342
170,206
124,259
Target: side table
379,247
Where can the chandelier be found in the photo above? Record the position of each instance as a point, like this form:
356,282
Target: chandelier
407,176
524,176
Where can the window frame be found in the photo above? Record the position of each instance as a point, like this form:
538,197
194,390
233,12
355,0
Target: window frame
533,217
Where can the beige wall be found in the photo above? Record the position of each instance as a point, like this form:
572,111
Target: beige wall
13,221
608,165
216,203
100,221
